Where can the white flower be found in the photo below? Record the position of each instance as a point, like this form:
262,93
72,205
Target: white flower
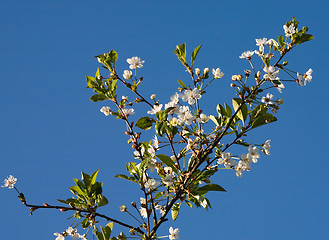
143,212
300,80
10,182
161,208
142,200
175,98
139,155
239,169
289,30
247,54
128,111
185,116
153,96
106,110
155,109
271,74
190,96
152,164
203,118
124,98
197,71
151,151
272,42
151,184
217,73
267,147
253,154
127,74
174,234
168,180
59,236
308,75
261,42
280,86
155,142
267,99
226,159
135,62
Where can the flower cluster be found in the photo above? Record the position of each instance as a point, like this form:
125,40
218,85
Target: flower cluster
10,182
72,232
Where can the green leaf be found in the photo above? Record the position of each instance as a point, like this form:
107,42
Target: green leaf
102,201
86,179
76,190
189,204
195,53
181,53
216,120
93,177
113,56
98,234
209,187
243,112
303,38
228,110
182,84
263,119
107,231
145,123
168,161
131,179
85,223
98,97
257,111
281,41
175,211
91,81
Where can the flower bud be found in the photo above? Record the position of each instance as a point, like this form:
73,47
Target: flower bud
258,74
234,77
205,71
153,96
232,85
239,77
133,204
197,71
123,208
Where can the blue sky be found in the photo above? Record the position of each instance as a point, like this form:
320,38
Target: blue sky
51,131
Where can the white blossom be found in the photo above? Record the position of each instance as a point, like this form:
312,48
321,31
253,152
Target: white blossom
161,209
151,183
267,147
205,71
139,155
10,182
168,180
143,212
247,54
155,109
106,110
300,80
267,99
308,75
197,71
203,118
280,87
271,74
289,30
261,42
125,98
59,236
127,74
135,62
155,142
217,73
226,160
253,154
271,42
190,96
174,234
153,96
128,111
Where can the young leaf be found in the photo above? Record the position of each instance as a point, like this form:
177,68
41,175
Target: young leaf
243,112
194,54
175,211
182,84
281,41
168,161
145,123
209,187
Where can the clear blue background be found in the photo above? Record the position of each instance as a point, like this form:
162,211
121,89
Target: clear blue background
50,130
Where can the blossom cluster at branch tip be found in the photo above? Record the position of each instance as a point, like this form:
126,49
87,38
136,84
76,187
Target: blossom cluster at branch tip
289,31
306,77
135,62
70,232
10,182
